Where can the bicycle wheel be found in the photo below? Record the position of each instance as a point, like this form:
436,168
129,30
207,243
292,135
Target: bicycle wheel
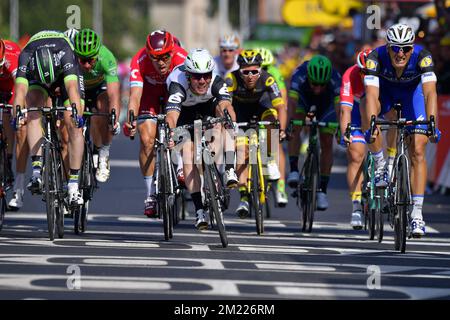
379,219
255,193
400,225
2,186
369,204
163,192
269,191
50,190
60,196
214,203
310,185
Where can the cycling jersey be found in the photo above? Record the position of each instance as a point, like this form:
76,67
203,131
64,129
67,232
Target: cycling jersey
276,73
220,68
352,91
300,90
247,103
144,75
8,70
105,70
406,89
190,105
64,59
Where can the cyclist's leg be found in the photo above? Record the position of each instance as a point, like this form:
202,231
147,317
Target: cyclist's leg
75,144
22,153
10,137
36,96
294,144
242,115
414,109
102,135
147,134
391,141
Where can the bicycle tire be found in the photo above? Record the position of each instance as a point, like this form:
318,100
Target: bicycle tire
214,204
370,202
2,181
163,204
257,207
84,216
60,197
50,191
310,194
402,205
379,223
268,209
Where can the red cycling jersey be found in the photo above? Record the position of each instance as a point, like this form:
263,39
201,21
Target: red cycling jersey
352,88
9,69
144,75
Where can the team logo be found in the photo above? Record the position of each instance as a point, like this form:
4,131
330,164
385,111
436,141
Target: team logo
270,81
133,73
426,62
371,65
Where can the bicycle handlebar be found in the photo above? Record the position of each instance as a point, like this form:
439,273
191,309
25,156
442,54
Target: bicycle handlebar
131,119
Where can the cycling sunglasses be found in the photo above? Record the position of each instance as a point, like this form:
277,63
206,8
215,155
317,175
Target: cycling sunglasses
250,72
199,76
88,60
163,57
397,49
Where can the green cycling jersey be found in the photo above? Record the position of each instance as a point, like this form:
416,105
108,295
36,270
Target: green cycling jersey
105,69
276,73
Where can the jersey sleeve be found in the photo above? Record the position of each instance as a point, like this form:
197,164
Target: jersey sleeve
177,95
136,79
276,73
272,88
24,59
179,56
346,90
426,66
231,83
219,89
372,69
297,80
109,64
69,63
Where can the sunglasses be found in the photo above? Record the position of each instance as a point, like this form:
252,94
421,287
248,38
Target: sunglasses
405,49
163,57
199,76
88,60
250,72
227,50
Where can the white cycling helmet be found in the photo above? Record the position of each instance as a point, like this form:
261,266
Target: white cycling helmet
199,61
400,35
71,33
229,41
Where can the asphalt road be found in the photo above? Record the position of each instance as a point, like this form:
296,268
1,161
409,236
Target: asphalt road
123,254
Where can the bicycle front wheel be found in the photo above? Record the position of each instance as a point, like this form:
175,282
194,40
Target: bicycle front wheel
400,224
214,203
310,192
50,191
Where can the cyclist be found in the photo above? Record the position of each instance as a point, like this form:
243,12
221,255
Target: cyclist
9,58
195,89
99,67
149,70
268,64
226,61
247,87
47,62
402,71
314,83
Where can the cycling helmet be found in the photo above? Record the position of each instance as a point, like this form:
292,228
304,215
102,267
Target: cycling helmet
159,42
361,58
87,43
71,33
267,57
319,69
230,41
2,53
45,70
199,61
249,58
400,35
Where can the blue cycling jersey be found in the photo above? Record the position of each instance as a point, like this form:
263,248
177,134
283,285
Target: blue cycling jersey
300,90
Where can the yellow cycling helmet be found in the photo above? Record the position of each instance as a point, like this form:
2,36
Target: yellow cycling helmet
267,57
249,58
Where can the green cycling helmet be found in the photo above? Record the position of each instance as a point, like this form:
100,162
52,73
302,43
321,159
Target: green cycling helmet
267,57
87,43
319,69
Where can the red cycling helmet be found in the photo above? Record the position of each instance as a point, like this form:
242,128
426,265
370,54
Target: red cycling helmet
159,42
2,53
361,58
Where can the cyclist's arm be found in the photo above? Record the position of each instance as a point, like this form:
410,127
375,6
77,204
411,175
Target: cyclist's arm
113,91
371,84
428,79
177,94
71,83
220,90
135,99
136,85
430,95
20,92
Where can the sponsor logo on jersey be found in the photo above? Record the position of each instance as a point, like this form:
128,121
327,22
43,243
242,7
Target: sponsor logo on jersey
175,98
346,89
133,73
426,62
68,66
270,81
371,65
224,90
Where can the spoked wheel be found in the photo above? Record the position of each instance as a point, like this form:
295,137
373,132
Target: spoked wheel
256,203
400,223
214,204
310,193
50,191
379,218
